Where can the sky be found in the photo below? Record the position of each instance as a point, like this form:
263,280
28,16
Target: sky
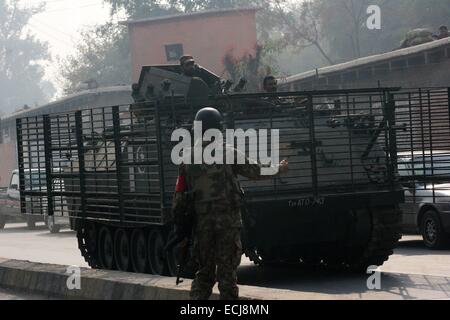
60,25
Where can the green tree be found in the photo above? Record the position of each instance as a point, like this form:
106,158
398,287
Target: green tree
21,57
299,24
137,9
252,68
148,8
101,56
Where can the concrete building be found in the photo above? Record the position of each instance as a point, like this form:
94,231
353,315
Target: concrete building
208,36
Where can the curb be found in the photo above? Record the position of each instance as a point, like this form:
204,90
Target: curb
51,280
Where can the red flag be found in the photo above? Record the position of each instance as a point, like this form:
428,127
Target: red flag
181,184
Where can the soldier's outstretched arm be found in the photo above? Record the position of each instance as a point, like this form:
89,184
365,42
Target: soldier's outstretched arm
251,169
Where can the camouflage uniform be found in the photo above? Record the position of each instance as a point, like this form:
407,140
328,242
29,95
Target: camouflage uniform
218,222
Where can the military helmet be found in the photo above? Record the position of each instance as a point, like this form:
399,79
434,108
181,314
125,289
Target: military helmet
211,119
186,59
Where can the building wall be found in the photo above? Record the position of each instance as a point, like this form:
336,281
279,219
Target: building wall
207,38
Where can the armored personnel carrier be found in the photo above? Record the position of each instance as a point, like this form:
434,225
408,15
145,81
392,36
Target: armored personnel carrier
337,206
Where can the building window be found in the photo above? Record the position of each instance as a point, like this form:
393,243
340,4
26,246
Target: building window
174,52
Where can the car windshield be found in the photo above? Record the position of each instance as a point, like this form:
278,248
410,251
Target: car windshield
436,165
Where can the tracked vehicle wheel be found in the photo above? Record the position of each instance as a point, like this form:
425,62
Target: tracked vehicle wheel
156,254
106,248
384,225
122,252
385,235
88,243
139,251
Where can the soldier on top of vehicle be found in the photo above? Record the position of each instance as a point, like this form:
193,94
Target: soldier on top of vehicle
201,76
270,84
188,65
443,33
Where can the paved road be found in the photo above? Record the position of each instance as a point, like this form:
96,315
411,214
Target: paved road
412,272
17,242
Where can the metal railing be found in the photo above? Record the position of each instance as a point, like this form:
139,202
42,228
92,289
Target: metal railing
114,163
424,144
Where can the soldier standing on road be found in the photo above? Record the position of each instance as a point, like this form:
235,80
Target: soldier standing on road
218,201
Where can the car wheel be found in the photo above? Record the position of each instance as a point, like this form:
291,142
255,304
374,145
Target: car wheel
432,231
2,222
51,225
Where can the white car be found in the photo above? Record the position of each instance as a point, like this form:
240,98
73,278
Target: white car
34,208
426,179
10,203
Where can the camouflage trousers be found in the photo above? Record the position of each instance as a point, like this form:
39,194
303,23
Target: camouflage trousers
218,253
